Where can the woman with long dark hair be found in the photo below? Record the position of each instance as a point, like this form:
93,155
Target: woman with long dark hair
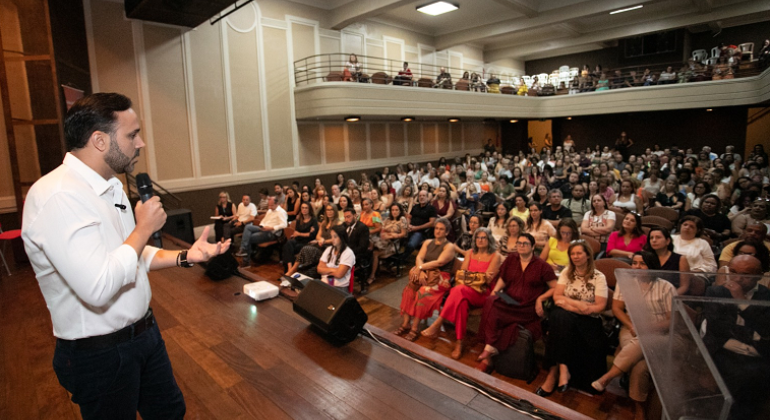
305,230
576,351
627,240
659,242
538,227
337,260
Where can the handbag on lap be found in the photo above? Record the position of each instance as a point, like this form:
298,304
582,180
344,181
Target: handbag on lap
475,280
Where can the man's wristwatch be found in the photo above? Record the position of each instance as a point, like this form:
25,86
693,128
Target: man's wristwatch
181,260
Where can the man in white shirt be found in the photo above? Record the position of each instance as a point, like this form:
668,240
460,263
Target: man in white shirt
269,229
91,260
245,214
431,179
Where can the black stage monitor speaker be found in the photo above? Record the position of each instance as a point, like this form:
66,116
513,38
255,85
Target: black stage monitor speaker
179,225
334,311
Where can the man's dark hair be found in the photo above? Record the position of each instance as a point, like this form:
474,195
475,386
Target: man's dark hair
349,209
95,112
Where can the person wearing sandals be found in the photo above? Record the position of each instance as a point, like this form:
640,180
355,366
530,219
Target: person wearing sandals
428,280
525,277
577,346
657,294
482,258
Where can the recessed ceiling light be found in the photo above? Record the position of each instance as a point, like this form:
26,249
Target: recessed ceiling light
352,118
569,118
437,8
626,10
407,119
708,109
514,121
453,120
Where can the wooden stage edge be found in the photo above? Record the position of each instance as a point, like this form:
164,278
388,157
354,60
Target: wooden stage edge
486,382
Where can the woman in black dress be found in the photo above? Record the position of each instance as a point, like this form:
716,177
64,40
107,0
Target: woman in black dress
659,242
226,210
305,230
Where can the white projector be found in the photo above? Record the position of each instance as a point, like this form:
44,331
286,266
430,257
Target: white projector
260,290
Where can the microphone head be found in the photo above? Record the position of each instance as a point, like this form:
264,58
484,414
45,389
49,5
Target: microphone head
143,184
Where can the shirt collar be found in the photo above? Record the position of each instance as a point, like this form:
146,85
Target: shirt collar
96,181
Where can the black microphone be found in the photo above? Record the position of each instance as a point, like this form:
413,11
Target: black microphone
144,186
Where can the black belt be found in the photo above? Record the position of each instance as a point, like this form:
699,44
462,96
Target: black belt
112,339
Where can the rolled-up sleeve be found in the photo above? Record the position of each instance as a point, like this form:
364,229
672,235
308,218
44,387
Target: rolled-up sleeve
92,267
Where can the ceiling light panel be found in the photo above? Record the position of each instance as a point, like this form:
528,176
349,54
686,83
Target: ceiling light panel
437,8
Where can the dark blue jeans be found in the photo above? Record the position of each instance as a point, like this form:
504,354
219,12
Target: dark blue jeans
116,382
415,241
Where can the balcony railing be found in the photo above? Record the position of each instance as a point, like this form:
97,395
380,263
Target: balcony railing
336,67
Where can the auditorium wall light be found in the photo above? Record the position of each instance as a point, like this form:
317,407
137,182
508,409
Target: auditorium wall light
626,10
407,119
453,120
709,109
352,118
569,118
437,8
514,121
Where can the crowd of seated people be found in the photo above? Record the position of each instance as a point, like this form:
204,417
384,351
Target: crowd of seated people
525,226
724,65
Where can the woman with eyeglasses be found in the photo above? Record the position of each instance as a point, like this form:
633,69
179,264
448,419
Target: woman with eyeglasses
465,241
627,240
225,210
528,281
482,258
577,349
657,294
659,242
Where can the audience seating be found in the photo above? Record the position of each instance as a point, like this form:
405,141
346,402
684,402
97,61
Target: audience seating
665,212
381,78
607,266
462,84
700,55
425,83
747,48
596,247
656,221
619,215
269,247
508,90
334,76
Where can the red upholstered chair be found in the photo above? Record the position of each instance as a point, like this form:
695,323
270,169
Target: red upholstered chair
4,237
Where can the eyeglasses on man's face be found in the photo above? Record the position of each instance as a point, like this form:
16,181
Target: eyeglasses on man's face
525,243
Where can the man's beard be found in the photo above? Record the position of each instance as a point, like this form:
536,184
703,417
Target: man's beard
117,161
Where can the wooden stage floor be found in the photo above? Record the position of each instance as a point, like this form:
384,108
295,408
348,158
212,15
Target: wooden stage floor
236,359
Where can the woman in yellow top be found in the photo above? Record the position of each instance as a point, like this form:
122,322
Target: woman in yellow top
521,211
556,253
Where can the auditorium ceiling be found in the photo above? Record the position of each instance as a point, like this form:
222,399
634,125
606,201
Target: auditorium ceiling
534,29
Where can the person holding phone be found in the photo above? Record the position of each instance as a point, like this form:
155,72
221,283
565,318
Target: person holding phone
522,284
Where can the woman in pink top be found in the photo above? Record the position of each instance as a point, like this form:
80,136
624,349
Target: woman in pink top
481,259
627,240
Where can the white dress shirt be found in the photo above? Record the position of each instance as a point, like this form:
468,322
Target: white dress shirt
276,219
92,283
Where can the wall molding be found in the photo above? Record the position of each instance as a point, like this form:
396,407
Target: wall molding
232,180
8,204
274,23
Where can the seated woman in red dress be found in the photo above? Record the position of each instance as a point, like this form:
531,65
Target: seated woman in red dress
428,280
482,258
525,277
